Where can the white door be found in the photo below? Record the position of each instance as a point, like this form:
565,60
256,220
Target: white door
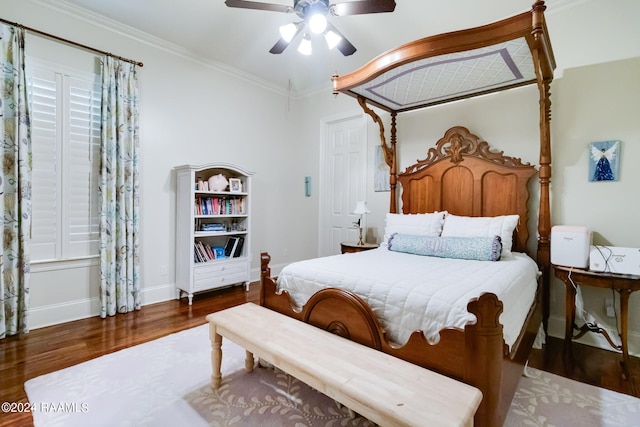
343,172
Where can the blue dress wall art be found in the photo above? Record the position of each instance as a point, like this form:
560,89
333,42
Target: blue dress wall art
604,161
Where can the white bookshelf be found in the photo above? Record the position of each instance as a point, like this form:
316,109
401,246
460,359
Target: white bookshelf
207,219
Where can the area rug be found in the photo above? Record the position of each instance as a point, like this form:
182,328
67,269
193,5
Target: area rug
166,383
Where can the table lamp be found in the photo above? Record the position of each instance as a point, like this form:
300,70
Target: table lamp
361,209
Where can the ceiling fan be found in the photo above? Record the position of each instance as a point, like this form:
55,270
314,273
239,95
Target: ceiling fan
313,15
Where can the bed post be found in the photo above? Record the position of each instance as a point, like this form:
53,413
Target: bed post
388,151
265,273
544,220
393,167
545,64
483,357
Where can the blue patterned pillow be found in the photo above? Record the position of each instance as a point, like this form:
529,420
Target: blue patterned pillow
476,248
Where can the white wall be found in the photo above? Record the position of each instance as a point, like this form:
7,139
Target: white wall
598,103
190,112
508,120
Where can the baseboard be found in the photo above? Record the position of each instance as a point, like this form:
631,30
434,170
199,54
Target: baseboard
54,314
158,294
556,329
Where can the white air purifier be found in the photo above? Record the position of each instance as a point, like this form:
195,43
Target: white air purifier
570,246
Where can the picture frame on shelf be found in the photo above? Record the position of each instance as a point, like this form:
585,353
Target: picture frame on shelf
235,185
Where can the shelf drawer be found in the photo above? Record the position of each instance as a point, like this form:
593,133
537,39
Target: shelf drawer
220,273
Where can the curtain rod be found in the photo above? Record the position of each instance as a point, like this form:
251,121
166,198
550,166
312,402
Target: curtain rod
51,36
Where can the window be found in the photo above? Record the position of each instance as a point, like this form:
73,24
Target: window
65,119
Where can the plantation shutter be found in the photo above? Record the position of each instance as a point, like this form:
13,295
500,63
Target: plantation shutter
83,164
65,114
44,105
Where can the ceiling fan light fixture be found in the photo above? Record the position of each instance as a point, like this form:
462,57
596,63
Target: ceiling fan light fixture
288,31
314,15
332,39
317,23
305,45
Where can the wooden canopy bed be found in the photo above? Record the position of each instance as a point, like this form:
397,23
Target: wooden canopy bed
463,176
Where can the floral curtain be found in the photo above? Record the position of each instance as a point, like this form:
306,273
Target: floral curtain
15,184
119,195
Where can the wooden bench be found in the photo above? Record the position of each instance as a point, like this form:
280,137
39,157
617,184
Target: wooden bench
382,388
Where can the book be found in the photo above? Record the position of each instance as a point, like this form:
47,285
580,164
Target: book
210,253
203,206
218,252
213,227
198,254
203,252
238,248
210,206
230,247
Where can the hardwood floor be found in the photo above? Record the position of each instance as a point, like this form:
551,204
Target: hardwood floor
56,347
588,365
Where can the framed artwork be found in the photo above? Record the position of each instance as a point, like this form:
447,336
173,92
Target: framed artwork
604,161
380,172
235,185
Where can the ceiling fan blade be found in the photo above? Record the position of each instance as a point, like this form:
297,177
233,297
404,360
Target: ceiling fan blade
242,4
279,47
282,44
362,6
343,45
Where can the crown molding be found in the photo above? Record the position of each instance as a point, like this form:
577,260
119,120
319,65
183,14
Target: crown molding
142,37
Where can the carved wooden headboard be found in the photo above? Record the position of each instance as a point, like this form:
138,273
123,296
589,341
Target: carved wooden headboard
464,177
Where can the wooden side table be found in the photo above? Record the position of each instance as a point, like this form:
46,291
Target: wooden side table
350,247
624,284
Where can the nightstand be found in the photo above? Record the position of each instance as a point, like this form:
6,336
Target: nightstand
350,247
624,284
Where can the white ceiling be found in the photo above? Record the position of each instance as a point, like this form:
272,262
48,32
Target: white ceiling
240,39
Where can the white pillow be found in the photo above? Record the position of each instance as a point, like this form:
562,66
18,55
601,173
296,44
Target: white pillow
466,226
428,224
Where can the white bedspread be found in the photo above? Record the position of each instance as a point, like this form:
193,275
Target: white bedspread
412,292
